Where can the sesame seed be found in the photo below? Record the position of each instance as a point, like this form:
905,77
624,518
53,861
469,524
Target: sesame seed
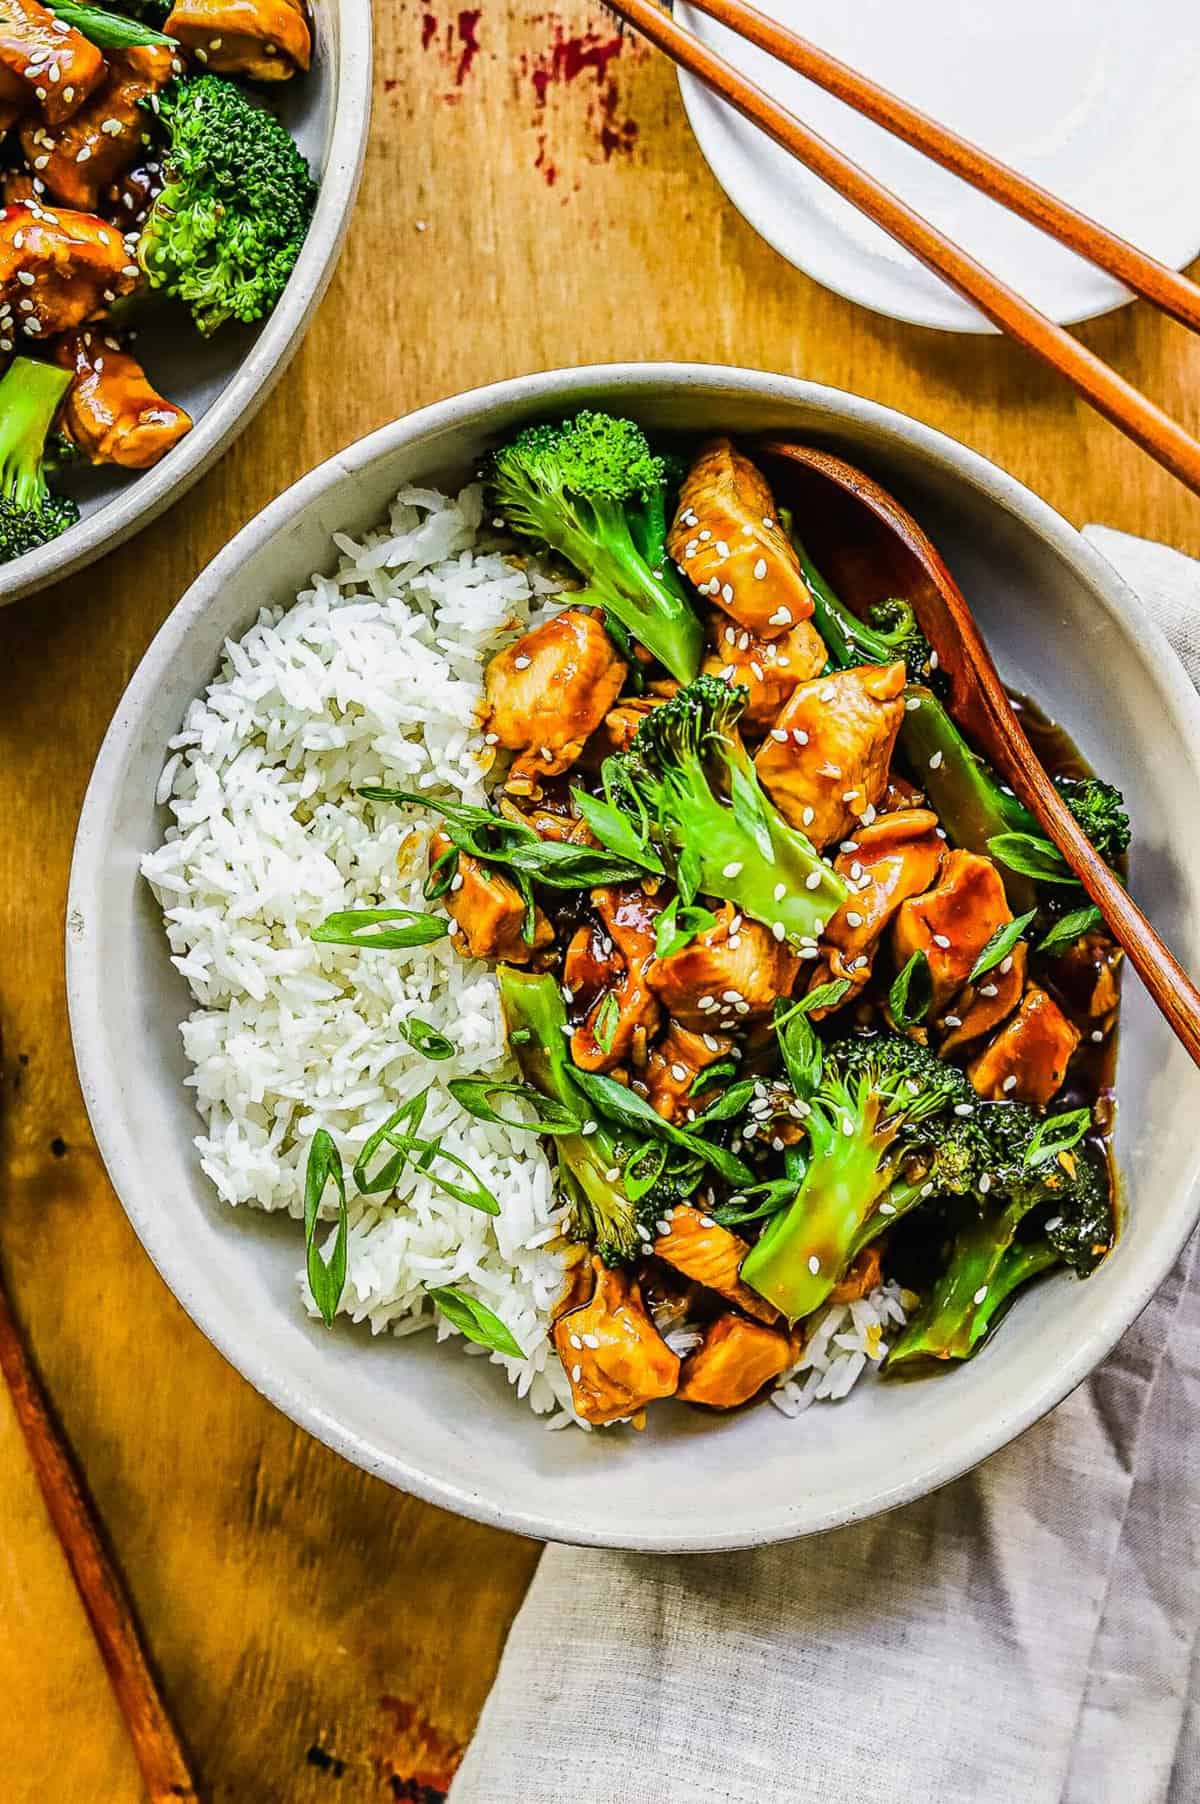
1005,966
576,1370
710,1040
1054,1224
848,795
131,269
547,754
799,735
727,593
705,536
1010,1083
940,939
848,845
779,733
814,1264
732,870
83,154
887,1208
988,989
935,763
731,995
813,880
756,670
768,522
679,1073
575,1341
26,277
214,43
964,1108
981,1293
707,1002
853,920
727,675
612,1174
591,1340
457,881
933,660
808,816
721,548
779,930
491,739
780,891
808,952
827,694
985,1184
914,701
760,569
522,663
1097,1034
589,1127
830,770
952,1021
743,641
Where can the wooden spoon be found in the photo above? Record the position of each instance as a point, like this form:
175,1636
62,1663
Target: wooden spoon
870,547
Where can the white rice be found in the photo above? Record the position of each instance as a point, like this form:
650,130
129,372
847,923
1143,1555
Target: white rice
373,678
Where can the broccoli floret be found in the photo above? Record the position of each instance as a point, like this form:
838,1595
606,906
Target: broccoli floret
593,490
604,1213
30,515
1036,1213
878,1120
720,834
976,809
224,234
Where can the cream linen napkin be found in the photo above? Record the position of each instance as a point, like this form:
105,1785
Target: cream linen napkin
1029,1635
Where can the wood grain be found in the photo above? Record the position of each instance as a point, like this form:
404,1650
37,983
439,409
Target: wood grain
322,1639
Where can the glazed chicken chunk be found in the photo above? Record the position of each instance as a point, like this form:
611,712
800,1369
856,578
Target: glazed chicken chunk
613,1355
733,1362
952,923
605,972
728,542
732,973
78,160
112,412
547,693
825,761
712,1256
78,264
1027,1060
268,40
675,1063
768,669
489,909
58,66
897,856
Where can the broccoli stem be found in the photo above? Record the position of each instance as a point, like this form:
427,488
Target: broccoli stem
644,599
986,1268
534,1014
30,394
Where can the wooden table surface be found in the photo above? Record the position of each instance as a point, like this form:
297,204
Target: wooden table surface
532,198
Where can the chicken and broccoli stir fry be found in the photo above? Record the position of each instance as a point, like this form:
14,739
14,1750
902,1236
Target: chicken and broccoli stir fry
797,991
134,163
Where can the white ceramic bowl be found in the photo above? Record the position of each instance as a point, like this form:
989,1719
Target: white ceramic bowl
223,381
1063,627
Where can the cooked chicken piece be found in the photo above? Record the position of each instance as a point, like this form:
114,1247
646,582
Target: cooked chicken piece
129,199
727,540
863,1275
57,65
825,761
268,40
952,923
981,1006
733,1362
112,413
898,794
548,692
726,976
614,1356
489,909
549,823
673,1302
619,726
79,160
605,971
675,1064
15,98
1088,976
897,856
769,669
79,265
701,1249
1027,1061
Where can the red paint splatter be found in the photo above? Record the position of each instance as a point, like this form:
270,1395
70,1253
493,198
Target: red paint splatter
468,28
566,57
429,27
569,57
542,162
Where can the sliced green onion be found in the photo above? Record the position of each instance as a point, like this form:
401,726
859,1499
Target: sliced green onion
911,992
1058,1134
406,1120
110,31
351,927
678,925
615,830
326,1279
472,1094
474,1319
643,1169
1000,945
1031,856
425,1038
604,1027
1070,928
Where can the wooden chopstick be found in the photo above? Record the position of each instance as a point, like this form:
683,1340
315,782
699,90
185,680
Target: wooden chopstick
159,1753
1110,394
1175,294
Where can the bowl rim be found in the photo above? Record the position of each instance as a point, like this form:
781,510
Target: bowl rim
84,991
160,487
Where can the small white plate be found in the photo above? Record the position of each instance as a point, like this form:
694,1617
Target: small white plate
1095,99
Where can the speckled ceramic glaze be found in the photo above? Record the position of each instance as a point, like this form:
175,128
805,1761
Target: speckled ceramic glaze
447,1428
